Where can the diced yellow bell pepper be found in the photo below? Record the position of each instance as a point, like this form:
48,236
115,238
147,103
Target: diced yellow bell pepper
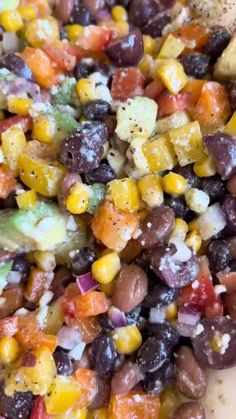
172,75
39,30
106,267
150,44
73,414
205,168
159,153
126,339
20,106
26,199
124,193
231,126
9,349
187,142
145,64
171,48
13,144
151,190
55,319
63,395
38,170
37,379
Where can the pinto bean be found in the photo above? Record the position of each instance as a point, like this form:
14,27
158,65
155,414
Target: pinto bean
157,227
64,9
230,305
190,410
126,378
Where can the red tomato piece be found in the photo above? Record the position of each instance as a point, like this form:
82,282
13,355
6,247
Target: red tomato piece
127,83
8,326
24,122
154,89
39,409
58,53
68,300
94,38
168,104
7,181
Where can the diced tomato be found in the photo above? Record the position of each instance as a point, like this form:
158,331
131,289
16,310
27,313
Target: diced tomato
134,404
39,409
168,104
67,300
91,304
58,53
94,38
24,122
194,35
74,50
7,181
127,83
201,294
8,326
154,89
87,380
89,327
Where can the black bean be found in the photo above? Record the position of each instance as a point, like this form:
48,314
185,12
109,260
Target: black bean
195,64
229,208
83,69
232,95
187,172
132,317
105,323
160,294
156,25
81,15
102,174
96,109
214,187
83,151
82,260
222,147
126,51
217,42
21,265
10,201
141,11
154,382
151,354
102,355
165,332
63,362
17,406
218,254
17,65
179,207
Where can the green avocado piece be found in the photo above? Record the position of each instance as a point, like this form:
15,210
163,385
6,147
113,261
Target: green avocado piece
65,125
97,196
5,268
64,92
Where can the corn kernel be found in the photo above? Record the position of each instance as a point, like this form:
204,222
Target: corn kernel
197,200
9,349
27,12
172,74
19,106
187,142
192,225
39,30
78,199
169,403
124,193
171,48
180,229
44,128
174,184
26,199
171,311
149,44
205,168
106,267
160,154
45,260
119,14
126,339
2,115
145,64
74,32
108,289
11,20
13,144
150,187
194,241
231,126
86,90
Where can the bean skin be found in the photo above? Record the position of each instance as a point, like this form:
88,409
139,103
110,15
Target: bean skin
156,227
126,378
190,410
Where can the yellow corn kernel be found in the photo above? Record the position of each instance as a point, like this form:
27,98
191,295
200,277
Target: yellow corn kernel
205,168
231,126
26,199
124,193
19,106
149,44
78,199
119,14
126,339
9,349
174,184
108,289
172,74
11,20
171,48
171,311
39,30
169,403
63,395
145,64
45,260
13,143
106,267
194,241
187,142
44,128
86,90
2,115
27,12
180,229
151,190
74,32
192,225
160,154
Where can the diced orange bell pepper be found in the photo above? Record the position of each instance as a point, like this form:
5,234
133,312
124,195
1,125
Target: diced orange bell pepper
7,181
89,327
91,304
67,299
114,227
134,405
127,83
42,67
194,35
194,87
88,386
8,326
57,52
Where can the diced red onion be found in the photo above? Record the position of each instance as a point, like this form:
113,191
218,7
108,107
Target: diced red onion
157,314
187,320
86,283
103,15
68,337
77,352
14,277
117,317
10,42
21,86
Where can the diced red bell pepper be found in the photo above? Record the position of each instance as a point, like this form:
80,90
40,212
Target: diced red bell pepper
8,326
57,52
24,122
154,89
168,104
127,83
39,409
91,304
94,38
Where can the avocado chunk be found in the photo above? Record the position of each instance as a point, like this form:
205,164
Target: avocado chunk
42,227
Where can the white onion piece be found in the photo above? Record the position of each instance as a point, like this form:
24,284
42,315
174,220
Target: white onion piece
157,314
77,352
187,320
14,277
183,253
68,337
10,42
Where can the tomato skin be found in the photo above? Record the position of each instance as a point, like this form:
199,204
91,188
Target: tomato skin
59,53
168,104
154,89
39,409
94,38
127,83
9,326
24,122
